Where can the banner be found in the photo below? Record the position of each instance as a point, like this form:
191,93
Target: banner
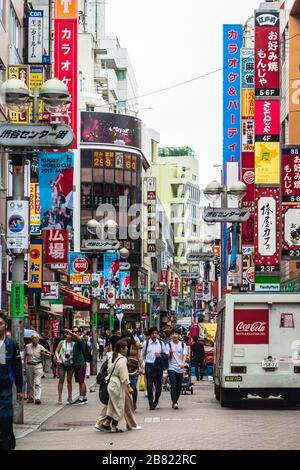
125,290
35,209
267,120
17,301
267,163
110,128
56,246
251,326
267,230
248,203
35,36
175,291
248,101
50,291
290,181
111,270
56,190
151,216
66,53
35,266
232,43
17,224
267,52
78,267
290,232
247,135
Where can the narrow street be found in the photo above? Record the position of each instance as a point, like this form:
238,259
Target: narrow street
200,423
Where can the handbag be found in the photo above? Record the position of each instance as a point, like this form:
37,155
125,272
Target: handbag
142,384
103,386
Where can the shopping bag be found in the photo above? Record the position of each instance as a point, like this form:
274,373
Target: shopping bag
142,384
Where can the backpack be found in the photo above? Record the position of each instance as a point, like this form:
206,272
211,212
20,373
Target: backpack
87,353
163,361
103,381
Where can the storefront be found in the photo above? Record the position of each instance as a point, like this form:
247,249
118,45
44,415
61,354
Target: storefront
134,312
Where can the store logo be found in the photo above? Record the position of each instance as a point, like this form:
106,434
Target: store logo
80,265
267,19
249,177
256,327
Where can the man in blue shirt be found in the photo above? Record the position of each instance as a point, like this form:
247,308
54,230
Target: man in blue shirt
10,372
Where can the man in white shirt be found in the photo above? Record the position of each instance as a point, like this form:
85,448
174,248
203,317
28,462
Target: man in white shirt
152,351
177,352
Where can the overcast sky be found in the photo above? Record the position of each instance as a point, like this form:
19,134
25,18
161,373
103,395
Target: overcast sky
170,41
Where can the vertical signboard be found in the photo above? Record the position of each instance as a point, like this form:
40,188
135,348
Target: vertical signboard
232,43
35,228
267,225
36,81
111,265
35,36
35,266
22,73
56,247
151,216
66,53
248,203
125,290
17,301
17,224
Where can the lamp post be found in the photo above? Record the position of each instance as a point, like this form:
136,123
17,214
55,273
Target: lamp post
237,192
15,96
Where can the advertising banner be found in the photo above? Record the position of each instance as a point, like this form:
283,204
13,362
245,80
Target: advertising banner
35,36
232,43
267,120
175,291
267,52
290,181
251,326
56,190
36,81
1,260
151,216
56,246
50,291
248,203
248,103
17,301
267,228
35,209
247,135
109,128
22,73
78,266
247,57
125,290
111,270
267,163
35,266
66,53
290,232
17,225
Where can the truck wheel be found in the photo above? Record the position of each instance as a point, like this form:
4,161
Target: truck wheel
225,403
217,392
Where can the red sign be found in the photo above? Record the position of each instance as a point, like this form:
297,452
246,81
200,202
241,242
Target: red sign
267,120
267,53
175,291
248,159
248,203
251,326
164,276
66,57
290,188
81,265
56,246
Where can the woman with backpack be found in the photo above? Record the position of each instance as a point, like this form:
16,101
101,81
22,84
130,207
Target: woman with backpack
65,364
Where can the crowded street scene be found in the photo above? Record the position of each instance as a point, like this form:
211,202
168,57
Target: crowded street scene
149,228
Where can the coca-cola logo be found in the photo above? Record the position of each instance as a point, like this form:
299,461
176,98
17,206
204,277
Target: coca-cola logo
256,327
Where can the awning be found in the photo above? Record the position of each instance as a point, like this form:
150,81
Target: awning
74,299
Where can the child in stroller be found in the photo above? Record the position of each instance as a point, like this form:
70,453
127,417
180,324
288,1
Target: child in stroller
187,385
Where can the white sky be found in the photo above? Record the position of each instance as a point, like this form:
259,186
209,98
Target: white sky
170,41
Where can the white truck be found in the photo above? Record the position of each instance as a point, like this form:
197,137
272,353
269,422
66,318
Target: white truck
257,349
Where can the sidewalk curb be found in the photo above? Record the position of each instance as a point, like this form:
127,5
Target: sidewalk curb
35,427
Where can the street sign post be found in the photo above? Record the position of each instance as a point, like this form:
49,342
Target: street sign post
189,276
225,215
36,135
200,256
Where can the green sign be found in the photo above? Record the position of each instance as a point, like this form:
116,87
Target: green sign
95,320
267,279
17,301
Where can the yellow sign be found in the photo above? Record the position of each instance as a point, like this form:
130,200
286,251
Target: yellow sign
248,101
233,378
36,266
22,73
210,331
65,9
267,163
36,82
34,208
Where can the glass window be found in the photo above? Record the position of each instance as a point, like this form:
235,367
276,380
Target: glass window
98,174
127,177
15,29
86,215
109,176
98,195
86,158
119,176
86,174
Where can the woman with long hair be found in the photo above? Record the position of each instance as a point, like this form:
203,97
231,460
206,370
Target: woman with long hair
134,364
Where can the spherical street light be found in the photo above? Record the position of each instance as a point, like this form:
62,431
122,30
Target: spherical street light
92,226
124,253
111,227
14,94
213,190
54,92
237,191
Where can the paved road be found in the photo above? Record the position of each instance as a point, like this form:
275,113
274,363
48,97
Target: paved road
200,423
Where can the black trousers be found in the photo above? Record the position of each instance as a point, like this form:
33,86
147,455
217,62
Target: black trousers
154,378
175,382
7,438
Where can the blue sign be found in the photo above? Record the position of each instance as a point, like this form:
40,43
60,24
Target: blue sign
35,14
111,271
232,43
46,59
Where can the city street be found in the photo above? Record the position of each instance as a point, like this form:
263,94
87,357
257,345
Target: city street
200,423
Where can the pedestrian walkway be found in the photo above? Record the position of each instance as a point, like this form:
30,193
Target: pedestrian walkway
36,415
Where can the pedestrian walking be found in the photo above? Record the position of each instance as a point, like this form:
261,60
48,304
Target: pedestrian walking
65,363
88,339
101,342
197,357
177,352
134,364
10,372
34,353
118,382
153,350
79,350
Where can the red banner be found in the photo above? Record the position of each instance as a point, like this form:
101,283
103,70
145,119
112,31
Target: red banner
66,54
267,51
267,226
248,203
56,246
175,291
290,180
267,120
251,326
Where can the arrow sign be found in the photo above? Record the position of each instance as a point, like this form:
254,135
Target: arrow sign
200,256
225,215
189,276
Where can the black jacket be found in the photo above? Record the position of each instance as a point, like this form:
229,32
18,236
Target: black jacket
12,371
197,352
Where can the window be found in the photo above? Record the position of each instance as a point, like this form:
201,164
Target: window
15,30
121,74
194,178
90,107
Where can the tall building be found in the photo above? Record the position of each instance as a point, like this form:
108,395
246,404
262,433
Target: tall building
177,173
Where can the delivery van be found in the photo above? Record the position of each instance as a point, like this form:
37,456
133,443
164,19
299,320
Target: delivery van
257,348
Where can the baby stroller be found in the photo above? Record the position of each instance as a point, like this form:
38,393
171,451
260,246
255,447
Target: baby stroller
187,384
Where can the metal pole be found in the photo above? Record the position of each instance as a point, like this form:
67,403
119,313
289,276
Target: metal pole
111,317
17,324
94,321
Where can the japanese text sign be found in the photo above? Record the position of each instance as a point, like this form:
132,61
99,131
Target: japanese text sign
22,73
35,266
17,301
248,203
267,54
232,43
267,229
247,56
267,120
35,36
66,53
290,180
35,209
267,163
56,246
290,232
